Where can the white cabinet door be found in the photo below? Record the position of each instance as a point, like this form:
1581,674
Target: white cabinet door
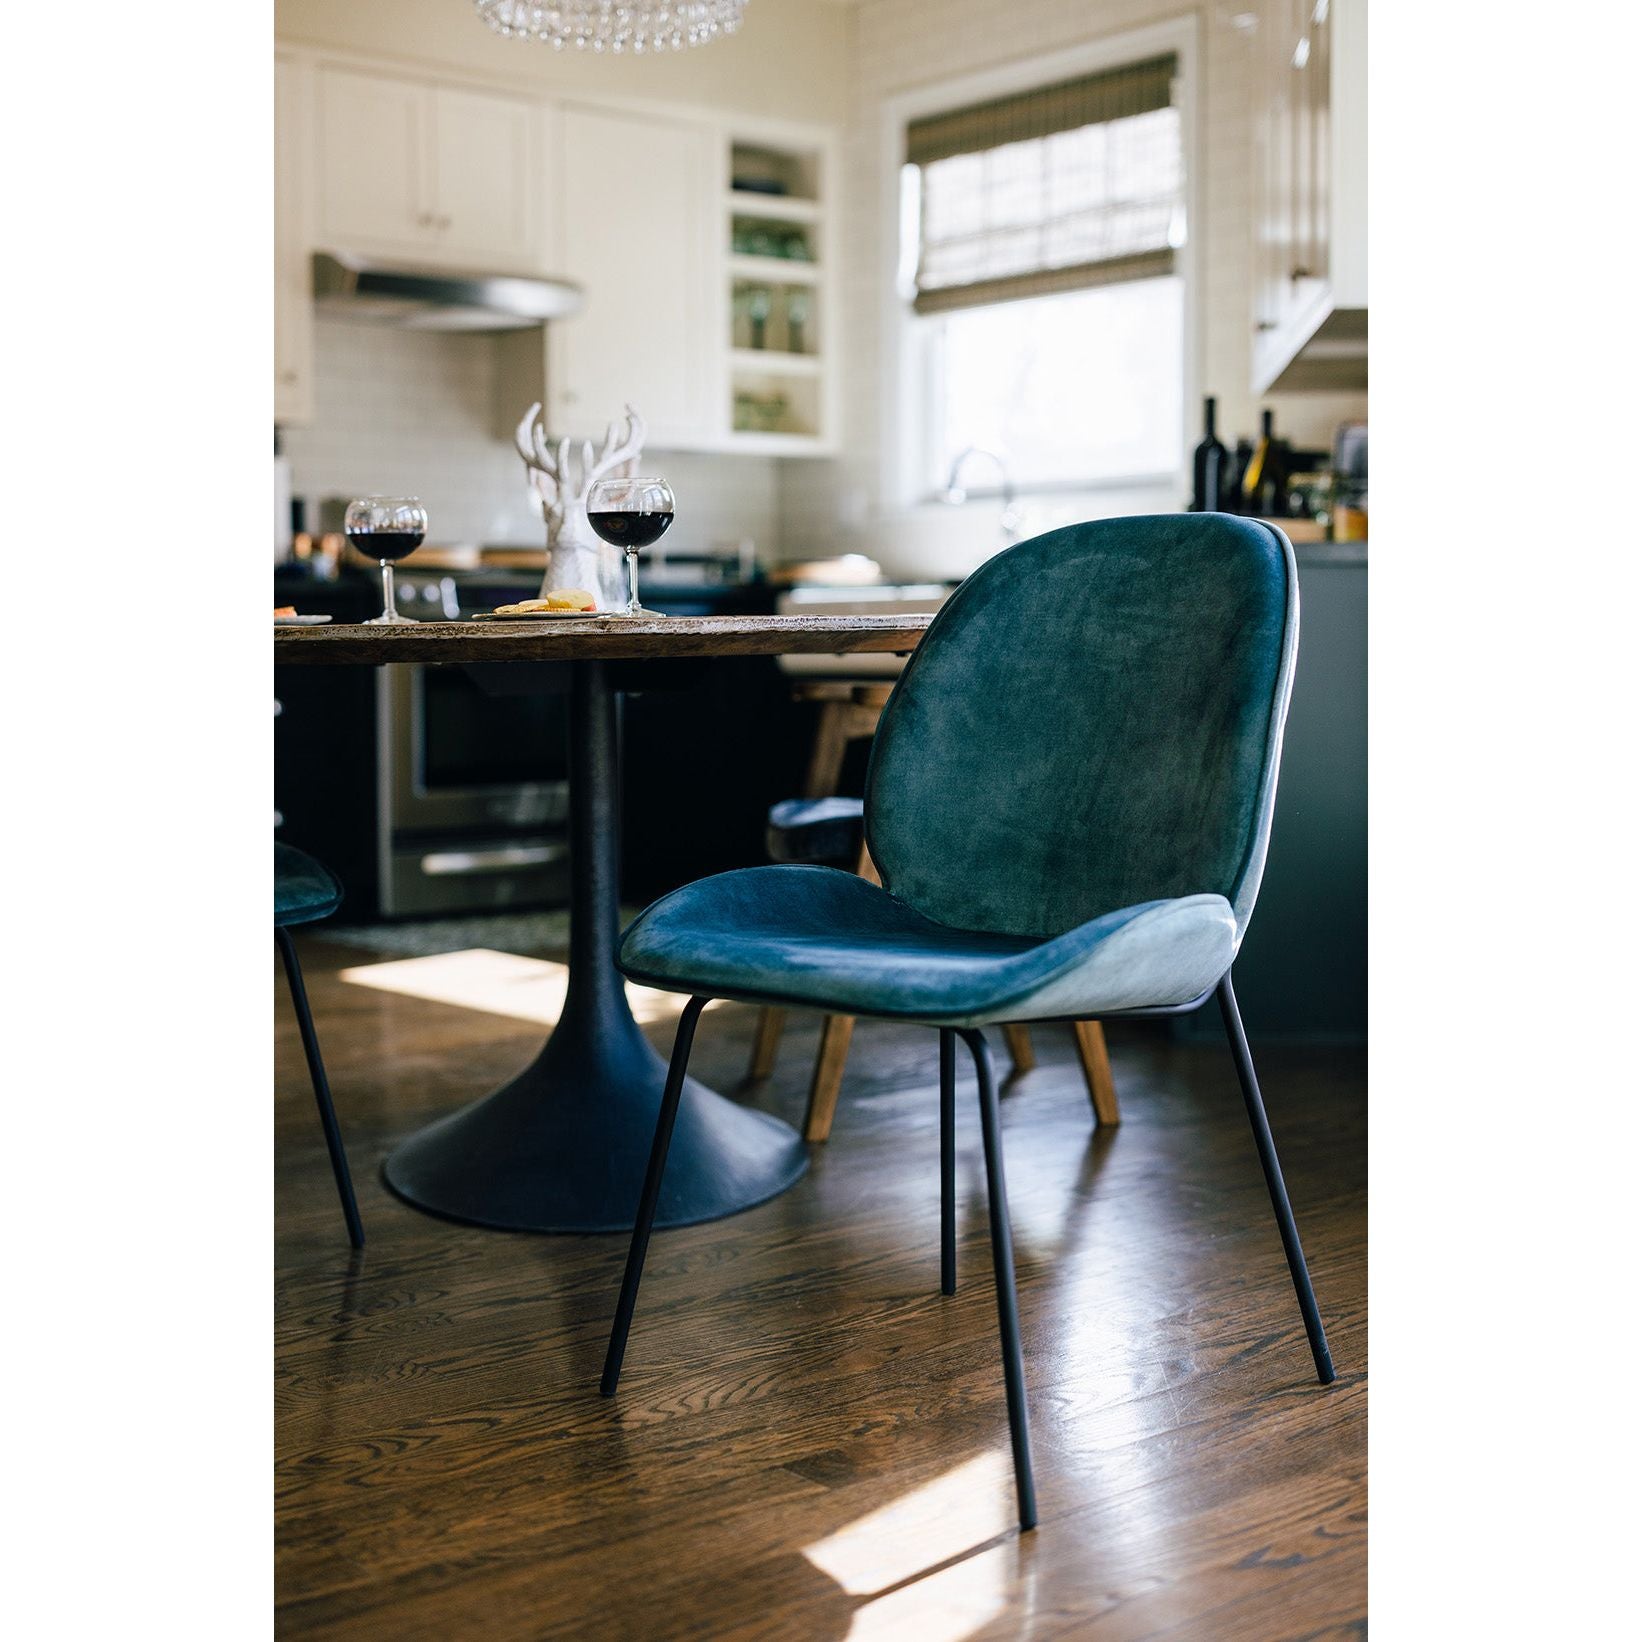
373,143
293,293
636,205
486,199
1310,255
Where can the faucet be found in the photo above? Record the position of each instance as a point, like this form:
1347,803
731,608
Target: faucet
955,495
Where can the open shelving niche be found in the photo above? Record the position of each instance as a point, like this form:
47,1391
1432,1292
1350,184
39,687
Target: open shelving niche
778,293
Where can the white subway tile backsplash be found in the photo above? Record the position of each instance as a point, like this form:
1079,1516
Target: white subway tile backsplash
415,412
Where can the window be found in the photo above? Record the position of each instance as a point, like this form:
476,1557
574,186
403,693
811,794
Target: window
1040,234
1083,388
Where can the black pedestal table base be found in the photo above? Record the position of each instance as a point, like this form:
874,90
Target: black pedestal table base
563,1146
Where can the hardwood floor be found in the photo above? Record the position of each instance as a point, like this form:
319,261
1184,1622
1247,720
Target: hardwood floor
810,1442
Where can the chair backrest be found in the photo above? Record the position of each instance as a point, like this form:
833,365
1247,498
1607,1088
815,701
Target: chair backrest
1092,720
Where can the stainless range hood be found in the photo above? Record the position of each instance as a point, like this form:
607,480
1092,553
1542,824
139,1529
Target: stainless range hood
378,292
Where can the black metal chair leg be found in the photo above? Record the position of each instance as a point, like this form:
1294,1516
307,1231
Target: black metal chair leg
1003,1272
949,1162
651,1194
1274,1180
322,1088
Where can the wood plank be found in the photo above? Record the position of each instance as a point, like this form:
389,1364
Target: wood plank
445,1466
614,638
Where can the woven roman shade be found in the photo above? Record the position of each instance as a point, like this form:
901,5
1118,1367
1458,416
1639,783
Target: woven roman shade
1071,185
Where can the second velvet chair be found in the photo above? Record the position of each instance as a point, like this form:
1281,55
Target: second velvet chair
304,892
1098,860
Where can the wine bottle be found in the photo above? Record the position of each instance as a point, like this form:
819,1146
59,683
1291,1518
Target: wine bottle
1231,500
1266,476
1278,477
1209,462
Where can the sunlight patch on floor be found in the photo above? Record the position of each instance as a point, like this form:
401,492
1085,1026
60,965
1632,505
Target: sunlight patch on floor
932,1527
945,1606
499,983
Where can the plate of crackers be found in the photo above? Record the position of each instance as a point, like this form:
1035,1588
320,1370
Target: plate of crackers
562,604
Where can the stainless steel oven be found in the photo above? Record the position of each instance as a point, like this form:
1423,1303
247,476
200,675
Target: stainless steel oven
472,794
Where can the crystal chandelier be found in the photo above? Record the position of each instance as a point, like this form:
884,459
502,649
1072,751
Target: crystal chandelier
610,25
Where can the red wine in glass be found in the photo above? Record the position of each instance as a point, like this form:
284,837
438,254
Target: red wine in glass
387,529
392,545
630,530
630,514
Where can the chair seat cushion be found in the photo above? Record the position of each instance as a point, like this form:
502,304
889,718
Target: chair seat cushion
816,937
304,890
815,830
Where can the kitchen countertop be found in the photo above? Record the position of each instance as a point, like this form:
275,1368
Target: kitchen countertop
1331,553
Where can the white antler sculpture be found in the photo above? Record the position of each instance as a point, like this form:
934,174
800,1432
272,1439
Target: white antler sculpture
618,455
576,557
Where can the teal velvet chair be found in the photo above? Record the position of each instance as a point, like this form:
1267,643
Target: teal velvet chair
1069,800
304,892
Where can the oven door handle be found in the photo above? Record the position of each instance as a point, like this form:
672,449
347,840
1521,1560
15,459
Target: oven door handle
462,863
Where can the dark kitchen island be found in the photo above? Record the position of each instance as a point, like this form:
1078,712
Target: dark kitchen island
683,721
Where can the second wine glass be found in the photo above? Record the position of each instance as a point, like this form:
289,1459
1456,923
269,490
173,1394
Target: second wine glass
630,514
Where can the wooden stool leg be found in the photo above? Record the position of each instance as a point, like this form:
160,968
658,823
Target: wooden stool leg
1097,1070
829,1075
827,754
766,1042
1019,1041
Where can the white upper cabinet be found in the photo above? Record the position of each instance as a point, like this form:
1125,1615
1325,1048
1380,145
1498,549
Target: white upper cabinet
1311,260
293,293
678,228
635,230
372,184
432,172
485,197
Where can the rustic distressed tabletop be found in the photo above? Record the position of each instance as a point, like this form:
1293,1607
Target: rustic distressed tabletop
607,638
562,1146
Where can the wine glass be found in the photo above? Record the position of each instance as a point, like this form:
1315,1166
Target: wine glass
386,528
630,514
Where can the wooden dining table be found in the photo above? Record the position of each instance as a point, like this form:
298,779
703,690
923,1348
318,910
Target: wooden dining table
562,1146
